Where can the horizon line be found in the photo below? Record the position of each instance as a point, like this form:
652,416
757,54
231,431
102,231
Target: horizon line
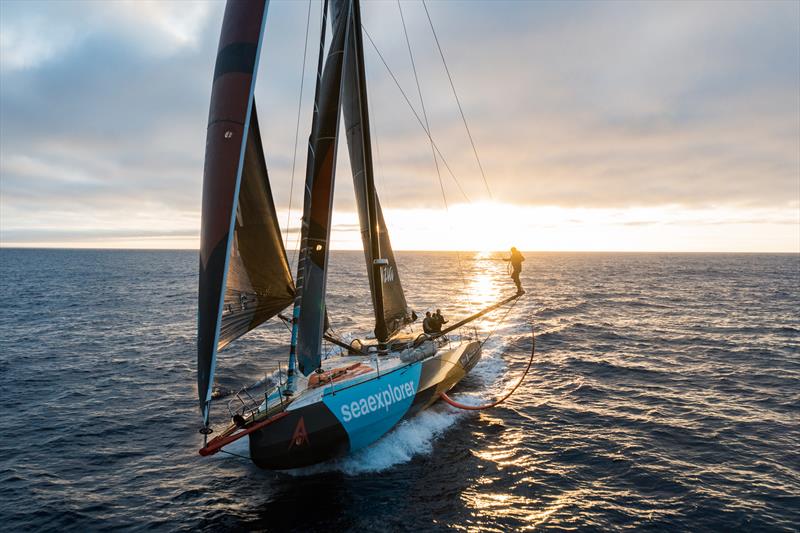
139,249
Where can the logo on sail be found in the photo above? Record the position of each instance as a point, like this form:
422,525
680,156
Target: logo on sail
387,274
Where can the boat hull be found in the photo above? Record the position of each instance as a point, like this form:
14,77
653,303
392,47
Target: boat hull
346,419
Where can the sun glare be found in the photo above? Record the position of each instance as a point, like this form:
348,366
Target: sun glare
479,227
483,227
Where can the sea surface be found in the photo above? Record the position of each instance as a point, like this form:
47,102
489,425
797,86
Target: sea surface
664,395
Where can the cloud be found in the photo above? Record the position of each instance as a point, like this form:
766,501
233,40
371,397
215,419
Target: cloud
103,108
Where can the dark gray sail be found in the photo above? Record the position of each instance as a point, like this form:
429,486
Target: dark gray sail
388,299
259,284
244,275
318,202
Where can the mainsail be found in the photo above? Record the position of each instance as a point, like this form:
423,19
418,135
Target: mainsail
388,299
244,274
318,203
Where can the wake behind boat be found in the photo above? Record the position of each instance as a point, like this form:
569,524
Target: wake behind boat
324,407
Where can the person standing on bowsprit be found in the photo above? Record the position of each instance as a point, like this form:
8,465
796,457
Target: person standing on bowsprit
516,260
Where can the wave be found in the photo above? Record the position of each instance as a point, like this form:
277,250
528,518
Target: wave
553,312
410,438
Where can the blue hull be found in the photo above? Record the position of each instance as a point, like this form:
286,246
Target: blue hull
349,418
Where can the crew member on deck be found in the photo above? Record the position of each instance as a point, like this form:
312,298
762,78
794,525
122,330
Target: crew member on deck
438,320
427,323
516,260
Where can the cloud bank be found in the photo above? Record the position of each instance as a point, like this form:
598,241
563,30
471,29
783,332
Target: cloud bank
676,113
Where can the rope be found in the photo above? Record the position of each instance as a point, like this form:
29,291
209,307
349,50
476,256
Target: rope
323,16
297,126
375,139
414,111
502,320
453,87
235,455
428,129
454,403
421,99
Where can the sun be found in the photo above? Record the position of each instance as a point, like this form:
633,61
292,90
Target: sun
484,226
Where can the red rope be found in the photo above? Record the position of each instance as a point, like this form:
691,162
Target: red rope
454,403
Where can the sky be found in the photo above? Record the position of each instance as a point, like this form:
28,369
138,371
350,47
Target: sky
617,126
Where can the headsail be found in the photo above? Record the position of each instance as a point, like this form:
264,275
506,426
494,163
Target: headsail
259,284
318,202
244,275
388,299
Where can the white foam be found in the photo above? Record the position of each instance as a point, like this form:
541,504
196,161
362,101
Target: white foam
416,435
409,438
490,368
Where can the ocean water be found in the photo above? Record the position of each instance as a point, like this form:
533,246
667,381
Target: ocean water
664,395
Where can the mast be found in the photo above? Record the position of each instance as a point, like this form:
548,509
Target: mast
388,299
381,332
309,314
303,226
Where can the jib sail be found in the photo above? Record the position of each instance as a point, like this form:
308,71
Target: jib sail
318,203
244,274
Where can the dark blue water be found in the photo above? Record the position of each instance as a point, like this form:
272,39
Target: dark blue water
665,394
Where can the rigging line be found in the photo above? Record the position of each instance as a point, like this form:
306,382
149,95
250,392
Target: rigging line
502,320
235,455
297,126
421,99
428,128
458,102
374,128
323,22
410,105
495,403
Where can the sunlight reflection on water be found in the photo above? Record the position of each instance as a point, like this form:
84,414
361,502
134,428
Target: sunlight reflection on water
663,396
483,288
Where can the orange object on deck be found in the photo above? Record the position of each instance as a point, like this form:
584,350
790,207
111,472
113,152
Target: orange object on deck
337,374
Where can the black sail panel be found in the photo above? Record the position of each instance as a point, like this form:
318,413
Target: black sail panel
318,203
388,299
226,143
396,313
259,284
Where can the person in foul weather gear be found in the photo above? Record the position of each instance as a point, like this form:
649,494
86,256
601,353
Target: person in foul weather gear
516,260
438,320
428,323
